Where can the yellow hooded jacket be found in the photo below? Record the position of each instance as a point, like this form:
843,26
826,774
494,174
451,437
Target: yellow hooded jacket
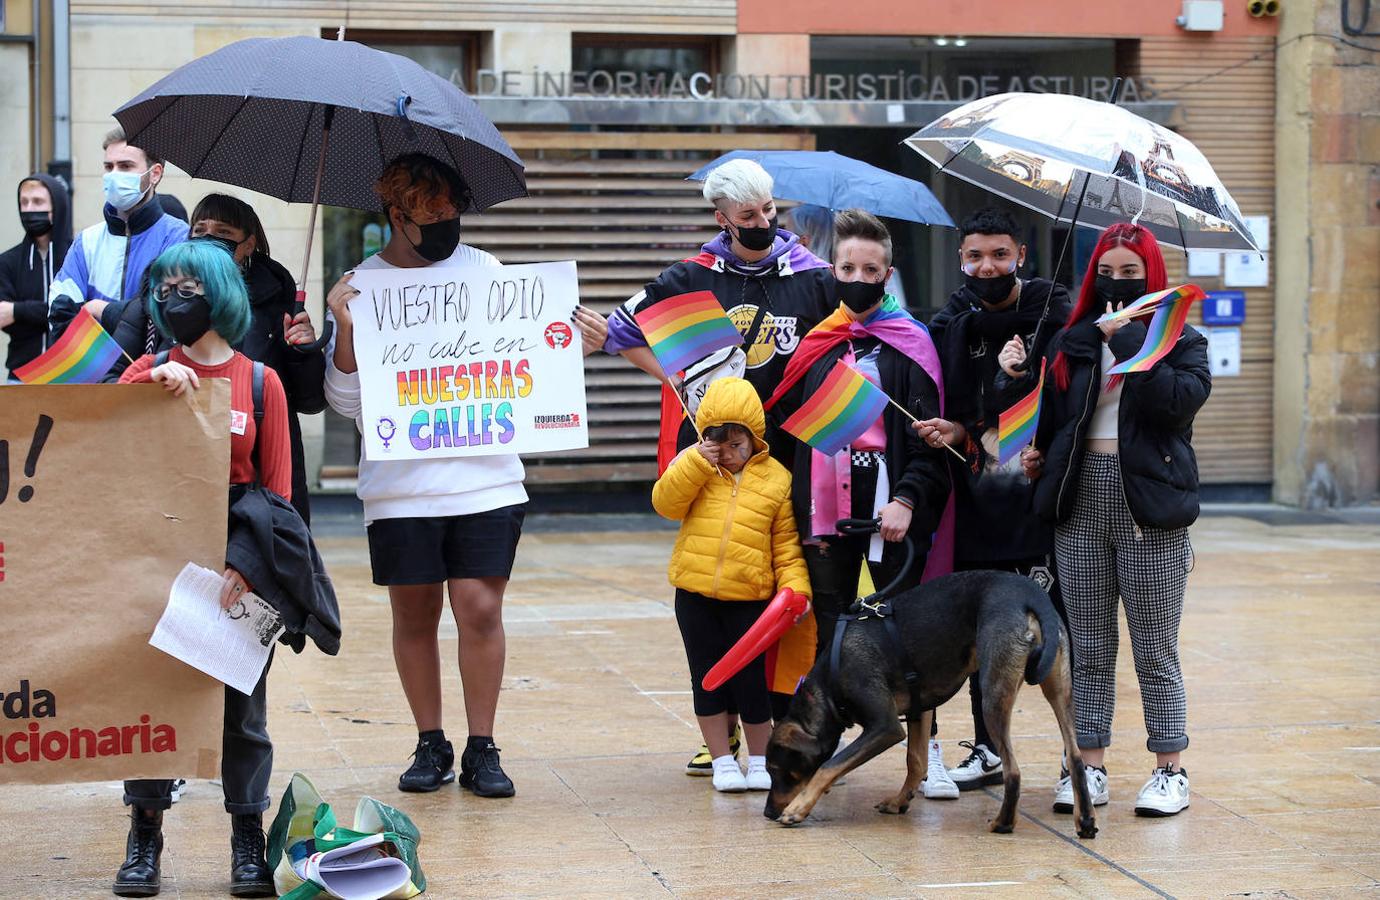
738,538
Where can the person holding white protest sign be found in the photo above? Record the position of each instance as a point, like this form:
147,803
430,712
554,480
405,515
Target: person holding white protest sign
441,525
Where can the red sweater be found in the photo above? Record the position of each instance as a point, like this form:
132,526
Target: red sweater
274,450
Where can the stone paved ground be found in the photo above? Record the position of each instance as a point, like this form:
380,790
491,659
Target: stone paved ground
1280,654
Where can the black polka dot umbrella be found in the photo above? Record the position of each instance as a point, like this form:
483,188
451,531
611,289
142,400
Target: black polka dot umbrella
316,121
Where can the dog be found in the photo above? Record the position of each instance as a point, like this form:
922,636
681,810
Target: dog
1000,624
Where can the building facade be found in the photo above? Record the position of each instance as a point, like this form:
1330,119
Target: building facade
612,104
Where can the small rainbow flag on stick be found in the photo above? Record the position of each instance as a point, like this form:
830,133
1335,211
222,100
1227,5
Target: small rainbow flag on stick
1171,312
83,355
1016,427
842,409
684,329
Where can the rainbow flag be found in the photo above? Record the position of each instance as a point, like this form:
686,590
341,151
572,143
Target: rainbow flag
82,355
843,408
1164,328
1016,427
684,329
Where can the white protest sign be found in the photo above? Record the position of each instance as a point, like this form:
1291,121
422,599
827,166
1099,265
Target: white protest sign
469,360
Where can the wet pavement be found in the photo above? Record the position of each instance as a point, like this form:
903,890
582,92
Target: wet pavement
1280,656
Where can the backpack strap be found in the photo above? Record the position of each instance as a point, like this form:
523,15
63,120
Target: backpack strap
257,396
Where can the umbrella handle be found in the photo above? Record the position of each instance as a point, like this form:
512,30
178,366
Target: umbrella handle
327,329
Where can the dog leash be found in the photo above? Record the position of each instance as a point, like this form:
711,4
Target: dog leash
875,606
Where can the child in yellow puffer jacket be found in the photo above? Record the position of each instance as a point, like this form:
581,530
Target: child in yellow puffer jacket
738,546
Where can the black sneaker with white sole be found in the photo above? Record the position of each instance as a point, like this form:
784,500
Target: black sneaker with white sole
480,773
433,764
981,768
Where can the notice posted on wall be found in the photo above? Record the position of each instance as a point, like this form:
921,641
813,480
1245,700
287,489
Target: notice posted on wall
231,645
469,360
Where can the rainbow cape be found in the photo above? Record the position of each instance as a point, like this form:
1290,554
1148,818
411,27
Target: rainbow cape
684,329
1164,328
83,355
1016,427
843,408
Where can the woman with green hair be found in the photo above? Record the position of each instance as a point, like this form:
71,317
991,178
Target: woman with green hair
198,298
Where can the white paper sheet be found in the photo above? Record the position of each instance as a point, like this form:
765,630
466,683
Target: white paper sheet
229,645
1204,264
1224,351
1246,269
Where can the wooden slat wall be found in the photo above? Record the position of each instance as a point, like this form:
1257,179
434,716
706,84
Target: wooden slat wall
622,220
662,16
1230,117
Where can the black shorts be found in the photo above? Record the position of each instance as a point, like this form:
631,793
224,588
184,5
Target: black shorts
432,549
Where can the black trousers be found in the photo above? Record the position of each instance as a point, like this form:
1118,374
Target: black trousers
709,629
1041,570
246,757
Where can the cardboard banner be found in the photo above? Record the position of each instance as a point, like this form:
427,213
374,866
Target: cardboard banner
469,361
106,492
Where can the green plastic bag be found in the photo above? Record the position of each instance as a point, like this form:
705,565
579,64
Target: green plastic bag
304,816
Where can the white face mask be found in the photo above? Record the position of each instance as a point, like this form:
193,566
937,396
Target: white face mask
123,190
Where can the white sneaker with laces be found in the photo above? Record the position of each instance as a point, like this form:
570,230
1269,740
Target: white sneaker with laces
982,767
1097,789
938,785
758,779
728,778
1165,794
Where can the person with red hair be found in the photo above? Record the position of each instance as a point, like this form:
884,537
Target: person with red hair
1115,473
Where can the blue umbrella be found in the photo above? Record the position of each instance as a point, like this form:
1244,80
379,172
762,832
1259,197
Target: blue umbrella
835,181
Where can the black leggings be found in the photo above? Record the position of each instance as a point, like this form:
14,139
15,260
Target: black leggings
709,629
1041,570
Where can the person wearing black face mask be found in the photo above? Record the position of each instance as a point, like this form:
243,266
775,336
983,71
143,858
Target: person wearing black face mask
27,268
446,525
887,472
1115,474
994,527
198,298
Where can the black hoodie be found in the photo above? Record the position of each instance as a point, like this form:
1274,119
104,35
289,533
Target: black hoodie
992,516
25,275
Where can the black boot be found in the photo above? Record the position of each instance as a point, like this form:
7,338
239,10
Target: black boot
249,874
139,876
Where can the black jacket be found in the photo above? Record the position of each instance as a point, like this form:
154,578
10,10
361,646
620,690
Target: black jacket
915,470
25,276
270,546
272,294
1159,471
993,522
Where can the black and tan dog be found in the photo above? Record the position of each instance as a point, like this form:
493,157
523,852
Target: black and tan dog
997,623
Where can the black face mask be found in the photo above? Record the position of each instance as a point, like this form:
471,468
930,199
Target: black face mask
36,224
860,296
188,317
757,239
439,239
230,246
990,290
1118,291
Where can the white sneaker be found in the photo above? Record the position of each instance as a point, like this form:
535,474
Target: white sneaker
728,777
1097,789
982,767
938,785
1165,794
179,785
758,779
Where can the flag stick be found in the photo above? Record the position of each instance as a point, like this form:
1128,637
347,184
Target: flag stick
947,445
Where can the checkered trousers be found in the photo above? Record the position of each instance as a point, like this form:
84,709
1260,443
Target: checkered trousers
1103,555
